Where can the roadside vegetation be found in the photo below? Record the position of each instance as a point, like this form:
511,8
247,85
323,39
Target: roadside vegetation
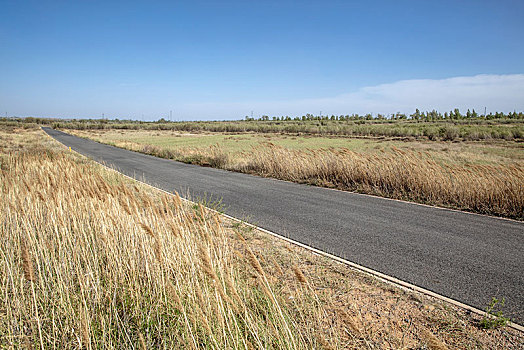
90,259
481,177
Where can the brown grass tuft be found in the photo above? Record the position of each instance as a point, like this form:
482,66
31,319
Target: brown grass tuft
252,259
124,205
207,267
350,321
299,275
433,342
277,266
142,341
147,229
172,293
27,262
232,289
325,344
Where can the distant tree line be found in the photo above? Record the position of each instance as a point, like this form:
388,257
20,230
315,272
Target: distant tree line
428,116
417,115
430,125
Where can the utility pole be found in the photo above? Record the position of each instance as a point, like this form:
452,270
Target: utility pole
484,112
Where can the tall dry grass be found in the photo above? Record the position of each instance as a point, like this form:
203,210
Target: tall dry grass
90,262
408,175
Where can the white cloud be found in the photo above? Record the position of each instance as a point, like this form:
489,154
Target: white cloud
495,92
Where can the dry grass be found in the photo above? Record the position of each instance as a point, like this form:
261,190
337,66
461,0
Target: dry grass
408,175
91,260
88,261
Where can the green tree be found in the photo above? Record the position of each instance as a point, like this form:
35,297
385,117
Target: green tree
416,115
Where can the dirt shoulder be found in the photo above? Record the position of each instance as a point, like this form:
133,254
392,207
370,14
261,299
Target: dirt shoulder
367,312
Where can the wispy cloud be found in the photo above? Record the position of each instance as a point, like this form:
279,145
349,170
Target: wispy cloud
495,92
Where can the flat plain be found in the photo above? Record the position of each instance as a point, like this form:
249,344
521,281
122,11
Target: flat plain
163,288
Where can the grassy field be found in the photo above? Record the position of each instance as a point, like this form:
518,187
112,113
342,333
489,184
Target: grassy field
492,152
466,129
431,126
483,177
90,259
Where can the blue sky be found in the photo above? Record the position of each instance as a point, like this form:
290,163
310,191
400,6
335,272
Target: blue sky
223,59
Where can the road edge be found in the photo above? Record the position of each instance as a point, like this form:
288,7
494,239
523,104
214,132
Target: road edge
327,188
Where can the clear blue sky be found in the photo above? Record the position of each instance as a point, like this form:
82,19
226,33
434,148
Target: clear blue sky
222,59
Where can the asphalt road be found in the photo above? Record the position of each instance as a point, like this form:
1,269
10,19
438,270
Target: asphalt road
466,257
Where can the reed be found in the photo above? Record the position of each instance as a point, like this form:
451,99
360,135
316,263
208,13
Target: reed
299,275
27,263
407,175
111,265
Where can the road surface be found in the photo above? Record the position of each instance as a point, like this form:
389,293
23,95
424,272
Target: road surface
466,257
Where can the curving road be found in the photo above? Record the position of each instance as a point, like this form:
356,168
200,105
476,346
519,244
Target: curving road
466,257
